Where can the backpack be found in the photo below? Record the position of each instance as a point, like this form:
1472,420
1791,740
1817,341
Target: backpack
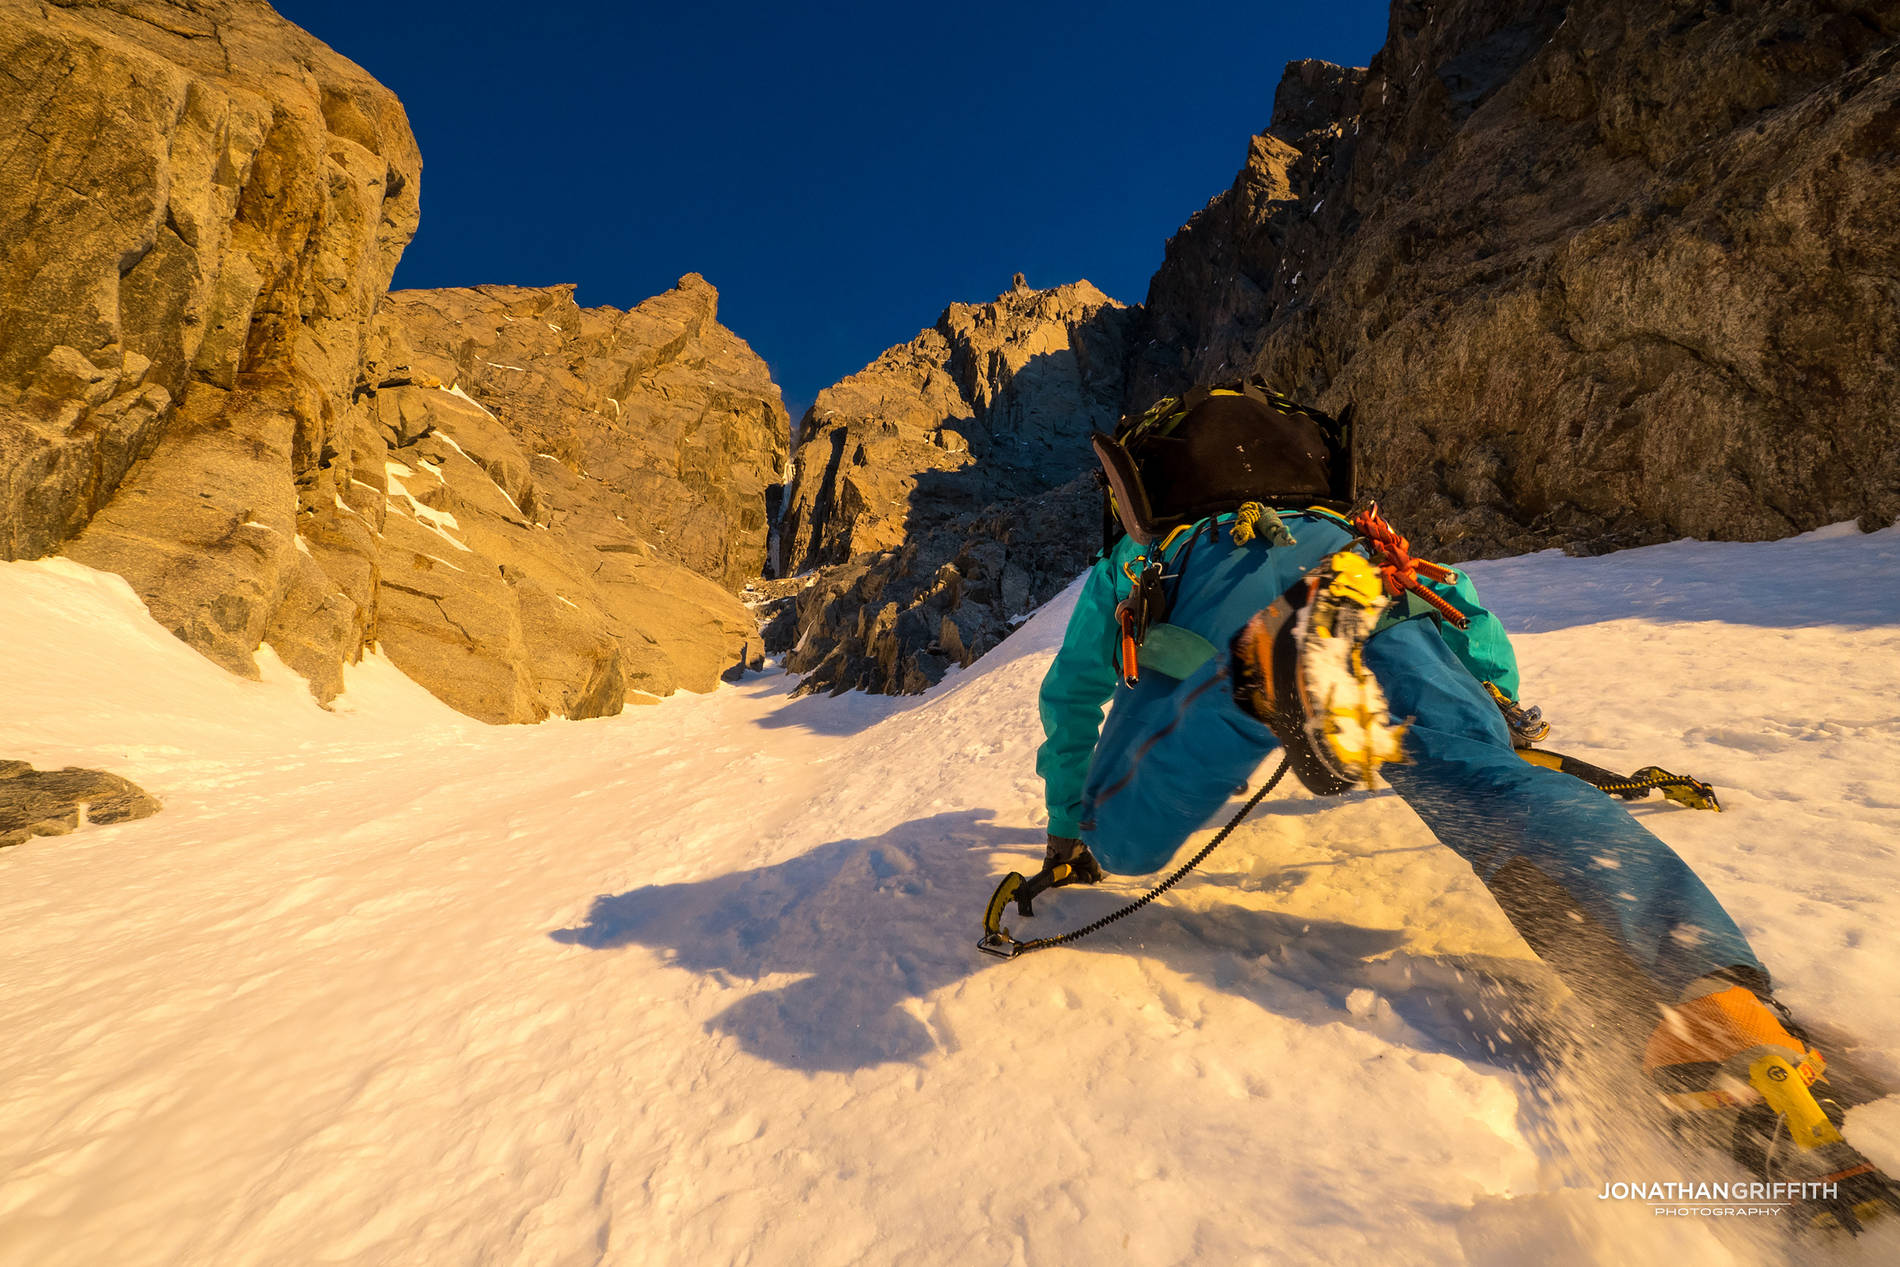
1213,449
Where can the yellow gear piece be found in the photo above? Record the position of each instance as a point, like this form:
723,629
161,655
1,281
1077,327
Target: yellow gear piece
1355,579
1353,721
1787,1093
1244,520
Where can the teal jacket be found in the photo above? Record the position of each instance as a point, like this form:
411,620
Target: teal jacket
1083,676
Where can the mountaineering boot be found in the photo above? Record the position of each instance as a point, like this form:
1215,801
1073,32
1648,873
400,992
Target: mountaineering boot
1068,861
1701,1051
1526,721
1727,1059
1298,667
1065,861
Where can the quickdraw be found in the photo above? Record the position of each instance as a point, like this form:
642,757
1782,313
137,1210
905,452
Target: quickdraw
1146,605
1134,615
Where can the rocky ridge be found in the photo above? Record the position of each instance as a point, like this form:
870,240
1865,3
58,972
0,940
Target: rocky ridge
992,403
204,388
895,622
669,412
935,499
1594,274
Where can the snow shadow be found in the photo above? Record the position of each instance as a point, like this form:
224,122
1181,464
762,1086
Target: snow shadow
1493,1011
846,713
869,925
873,927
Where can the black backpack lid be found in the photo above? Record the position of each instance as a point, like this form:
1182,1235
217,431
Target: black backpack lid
1211,450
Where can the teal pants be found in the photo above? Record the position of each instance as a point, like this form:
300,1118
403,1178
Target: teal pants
1592,891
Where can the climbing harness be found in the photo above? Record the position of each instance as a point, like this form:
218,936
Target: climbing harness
997,940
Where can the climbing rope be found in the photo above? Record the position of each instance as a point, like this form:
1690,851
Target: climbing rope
1400,570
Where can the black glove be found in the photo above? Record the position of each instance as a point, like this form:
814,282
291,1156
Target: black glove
1068,861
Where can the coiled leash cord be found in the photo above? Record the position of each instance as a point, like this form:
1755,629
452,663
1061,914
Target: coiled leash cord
998,942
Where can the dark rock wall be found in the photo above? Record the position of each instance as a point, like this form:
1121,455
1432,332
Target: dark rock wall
1594,274
897,621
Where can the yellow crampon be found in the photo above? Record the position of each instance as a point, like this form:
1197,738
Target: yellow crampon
1852,1189
1779,1083
1528,728
1680,788
1356,580
1346,710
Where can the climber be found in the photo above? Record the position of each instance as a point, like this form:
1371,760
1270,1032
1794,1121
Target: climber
1240,604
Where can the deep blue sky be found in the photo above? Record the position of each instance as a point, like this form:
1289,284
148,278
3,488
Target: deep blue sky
840,173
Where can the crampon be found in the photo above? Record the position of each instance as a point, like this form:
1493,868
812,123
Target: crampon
1298,666
1738,1075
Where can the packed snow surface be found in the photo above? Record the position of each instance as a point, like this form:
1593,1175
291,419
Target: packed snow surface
697,984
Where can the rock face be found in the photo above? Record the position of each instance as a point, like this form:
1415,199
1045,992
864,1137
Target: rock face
895,622
55,802
993,403
1595,274
567,599
936,492
203,205
504,582
664,408
204,389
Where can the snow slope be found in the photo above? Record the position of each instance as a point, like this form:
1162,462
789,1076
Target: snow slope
697,984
